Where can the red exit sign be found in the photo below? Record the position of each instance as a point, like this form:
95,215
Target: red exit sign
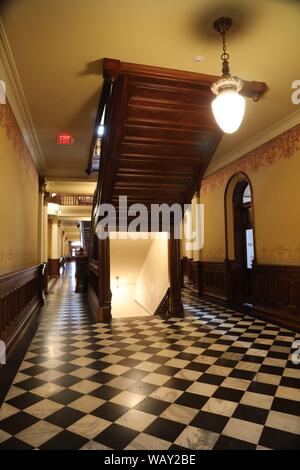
64,139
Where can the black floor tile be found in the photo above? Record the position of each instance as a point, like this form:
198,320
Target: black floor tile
178,384
159,359
210,421
67,380
229,394
65,396
251,413
35,370
110,411
167,370
211,379
17,422
31,383
128,362
67,368
65,417
24,400
264,369
15,444
196,366
192,400
253,359
242,374
65,440
152,406
105,392
165,429
229,443
116,437
286,406
265,389
102,377
279,440
290,382
226,363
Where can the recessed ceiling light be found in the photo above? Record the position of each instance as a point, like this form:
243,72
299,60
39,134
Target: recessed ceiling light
100,130
199,58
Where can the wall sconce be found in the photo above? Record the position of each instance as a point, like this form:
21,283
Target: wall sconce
117,279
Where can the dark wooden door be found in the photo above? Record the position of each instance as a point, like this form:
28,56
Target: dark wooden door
243,228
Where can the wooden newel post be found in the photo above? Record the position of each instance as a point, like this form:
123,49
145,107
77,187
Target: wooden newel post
175,304
104,308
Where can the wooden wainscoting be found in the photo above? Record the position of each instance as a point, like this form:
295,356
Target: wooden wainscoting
276,294
21,294
213,280
53,267
82,265
190,270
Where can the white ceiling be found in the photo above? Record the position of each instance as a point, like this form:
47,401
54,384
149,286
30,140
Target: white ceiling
58,46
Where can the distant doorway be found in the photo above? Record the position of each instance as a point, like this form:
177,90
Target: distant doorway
240,238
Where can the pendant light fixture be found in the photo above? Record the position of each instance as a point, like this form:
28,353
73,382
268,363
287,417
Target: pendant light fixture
229,106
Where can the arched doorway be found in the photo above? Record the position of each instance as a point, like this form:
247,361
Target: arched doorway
240,244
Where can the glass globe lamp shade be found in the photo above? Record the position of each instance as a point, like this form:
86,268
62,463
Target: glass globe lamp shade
228,108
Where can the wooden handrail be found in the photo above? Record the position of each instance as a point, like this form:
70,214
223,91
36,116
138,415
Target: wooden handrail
72,199
21,293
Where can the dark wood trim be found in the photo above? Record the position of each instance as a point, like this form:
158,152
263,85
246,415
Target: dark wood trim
213,280
276,290
276,294
106,88
175,302
53,267
45,278
81,273
21,295
104,292
112,68
155,119
164,304
246,178
93,303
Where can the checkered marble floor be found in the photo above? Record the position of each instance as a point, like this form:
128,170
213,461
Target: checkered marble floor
215,379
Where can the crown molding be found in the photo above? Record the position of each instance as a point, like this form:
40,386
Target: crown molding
270,133
17,100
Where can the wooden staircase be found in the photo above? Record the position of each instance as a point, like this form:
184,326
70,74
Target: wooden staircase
160,136
86,232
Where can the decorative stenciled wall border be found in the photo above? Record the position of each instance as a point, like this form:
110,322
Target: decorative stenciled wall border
16,258
286,254
14,135
282,146
214,255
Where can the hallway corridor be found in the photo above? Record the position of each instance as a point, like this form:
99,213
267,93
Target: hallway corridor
214,379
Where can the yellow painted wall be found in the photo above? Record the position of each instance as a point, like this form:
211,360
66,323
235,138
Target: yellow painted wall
274,173
18,198
153,280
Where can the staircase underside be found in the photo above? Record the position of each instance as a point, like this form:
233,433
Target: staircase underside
159,138
160,132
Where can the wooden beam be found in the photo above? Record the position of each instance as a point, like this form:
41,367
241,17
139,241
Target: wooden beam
113,68
175,302
104,308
